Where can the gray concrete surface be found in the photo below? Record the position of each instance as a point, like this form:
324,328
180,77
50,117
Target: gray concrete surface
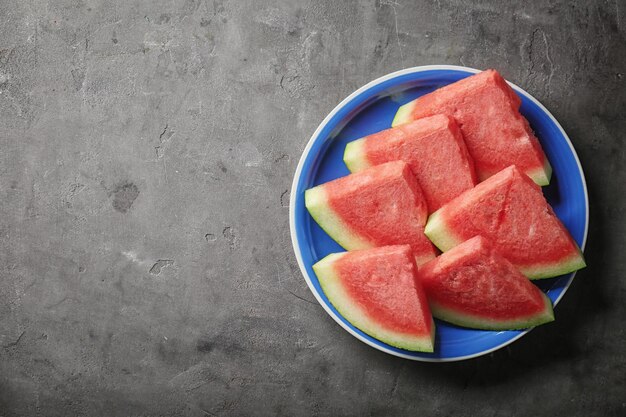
146,154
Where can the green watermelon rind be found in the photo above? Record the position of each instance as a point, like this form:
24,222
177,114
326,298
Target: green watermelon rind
445,240
542,175
354,156
404,114
353,313
437,232
316,202
574,263
482,323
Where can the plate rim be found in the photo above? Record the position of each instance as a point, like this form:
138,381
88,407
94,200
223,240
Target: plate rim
292,202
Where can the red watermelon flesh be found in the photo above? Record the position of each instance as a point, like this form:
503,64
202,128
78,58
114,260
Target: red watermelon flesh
382,205
474,286
434,149
378,292
487,111
511,211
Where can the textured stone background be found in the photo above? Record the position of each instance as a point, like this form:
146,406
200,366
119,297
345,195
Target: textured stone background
146,154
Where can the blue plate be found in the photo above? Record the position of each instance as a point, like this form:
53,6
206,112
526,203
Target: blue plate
371,109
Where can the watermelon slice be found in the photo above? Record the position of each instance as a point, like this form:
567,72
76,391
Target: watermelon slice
378,292
382,205
434,149
511,211
487,111
474,286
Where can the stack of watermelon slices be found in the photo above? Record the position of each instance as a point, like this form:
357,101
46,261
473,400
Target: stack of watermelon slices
459,172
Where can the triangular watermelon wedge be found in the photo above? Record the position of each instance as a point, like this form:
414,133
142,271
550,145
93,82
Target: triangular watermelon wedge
382,205
434,149
510,210
474,286
378,292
